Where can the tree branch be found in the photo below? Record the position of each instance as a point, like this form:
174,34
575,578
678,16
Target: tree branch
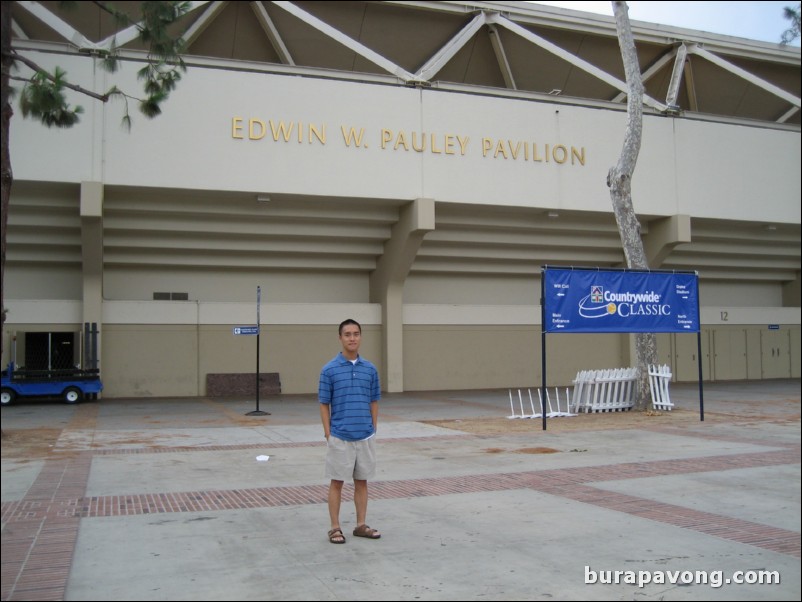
28,62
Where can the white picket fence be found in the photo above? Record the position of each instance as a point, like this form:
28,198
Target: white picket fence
610,390
659,377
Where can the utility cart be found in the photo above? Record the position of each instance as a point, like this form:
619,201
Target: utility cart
71,385
52,378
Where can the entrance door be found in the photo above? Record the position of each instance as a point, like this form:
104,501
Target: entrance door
687,362
729,354
775,353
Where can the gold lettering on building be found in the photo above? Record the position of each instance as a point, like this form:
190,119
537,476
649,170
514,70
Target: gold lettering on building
531,151
253,126
409,141
280,130
352,136
401,141
421,142
236,128
320,134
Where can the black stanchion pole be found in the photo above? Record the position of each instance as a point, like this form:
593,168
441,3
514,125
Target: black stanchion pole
258,334
258,412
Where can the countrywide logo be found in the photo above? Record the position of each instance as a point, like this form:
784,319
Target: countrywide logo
600,303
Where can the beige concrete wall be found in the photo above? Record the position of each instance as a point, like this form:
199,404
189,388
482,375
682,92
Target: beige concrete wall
149,360
436,357
51,281
466,289
173,360
235,285
296,352
146,360
706,178
743,294
472,356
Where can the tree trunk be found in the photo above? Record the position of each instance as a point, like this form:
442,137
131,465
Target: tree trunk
5,160
619,179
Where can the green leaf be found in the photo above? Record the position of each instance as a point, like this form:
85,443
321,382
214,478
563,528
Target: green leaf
150,107
43,98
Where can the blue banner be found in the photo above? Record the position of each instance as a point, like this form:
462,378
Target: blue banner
620,301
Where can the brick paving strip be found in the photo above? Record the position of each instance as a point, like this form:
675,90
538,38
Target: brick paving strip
40,531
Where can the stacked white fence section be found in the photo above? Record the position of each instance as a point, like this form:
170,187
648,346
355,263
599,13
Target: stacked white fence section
659,377
610,390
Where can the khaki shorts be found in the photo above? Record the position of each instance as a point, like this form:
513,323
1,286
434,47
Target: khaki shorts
347,460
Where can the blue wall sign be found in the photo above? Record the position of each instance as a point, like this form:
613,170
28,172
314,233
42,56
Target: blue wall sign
250,330
620,301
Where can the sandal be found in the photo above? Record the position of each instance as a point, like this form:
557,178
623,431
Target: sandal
336,536
365,531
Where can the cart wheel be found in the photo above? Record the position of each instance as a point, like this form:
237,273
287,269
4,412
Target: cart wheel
72,395
7,396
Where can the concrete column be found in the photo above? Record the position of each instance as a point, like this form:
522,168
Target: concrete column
665,234
629,352
92,252
791,293
387,284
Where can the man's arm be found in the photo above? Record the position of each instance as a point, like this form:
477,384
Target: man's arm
325,418
375,395
374,414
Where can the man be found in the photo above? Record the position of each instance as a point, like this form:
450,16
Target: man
349,394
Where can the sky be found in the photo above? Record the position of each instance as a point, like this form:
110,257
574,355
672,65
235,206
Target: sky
754,20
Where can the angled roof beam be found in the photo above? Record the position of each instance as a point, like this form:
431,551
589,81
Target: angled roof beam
202,22
676,76
650,72
501,57
131,33
690,86
272,33
348,42
454,45
788,114
17,31
64,29
573,59
744,74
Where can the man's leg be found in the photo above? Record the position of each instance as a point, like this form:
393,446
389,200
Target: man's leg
361,501
335,497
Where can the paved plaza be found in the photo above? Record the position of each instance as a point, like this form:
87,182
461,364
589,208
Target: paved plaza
172,499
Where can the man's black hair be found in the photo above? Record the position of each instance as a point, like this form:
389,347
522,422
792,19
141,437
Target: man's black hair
345,323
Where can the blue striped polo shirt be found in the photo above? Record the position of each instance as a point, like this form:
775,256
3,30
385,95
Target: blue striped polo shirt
349,389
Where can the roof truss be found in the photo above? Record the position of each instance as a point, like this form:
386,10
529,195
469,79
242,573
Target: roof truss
481,17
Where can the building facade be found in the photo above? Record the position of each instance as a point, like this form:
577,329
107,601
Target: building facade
408,165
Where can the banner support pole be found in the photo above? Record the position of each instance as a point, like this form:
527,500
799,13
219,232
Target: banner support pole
543,341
